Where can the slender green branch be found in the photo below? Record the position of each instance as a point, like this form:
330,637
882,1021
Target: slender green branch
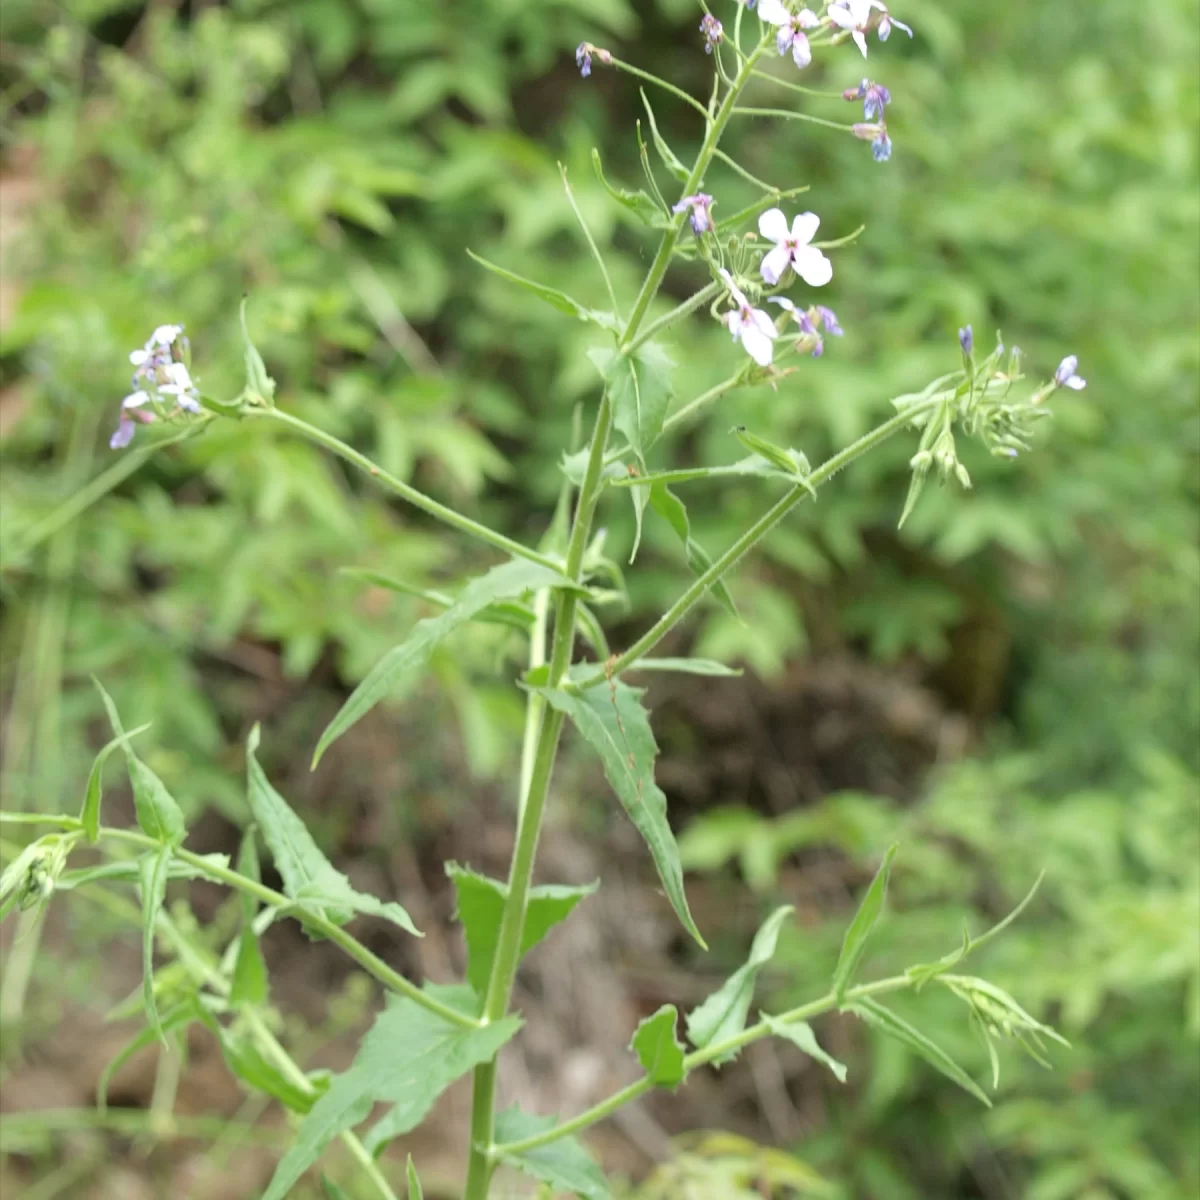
412,495
698,1058
702,297
370,963
591,241
761,203
678,93
795,87
762,184
788,115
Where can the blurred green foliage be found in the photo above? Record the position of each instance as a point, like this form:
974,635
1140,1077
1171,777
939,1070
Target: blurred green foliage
335,159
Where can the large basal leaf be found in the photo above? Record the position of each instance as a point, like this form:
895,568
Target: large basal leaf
563,1164
159,816
551,295
723,1014
408,1058
855,942
481,907
309,877
800,1033
404,663
658,1049
674,512
639,389
873,1013
614,723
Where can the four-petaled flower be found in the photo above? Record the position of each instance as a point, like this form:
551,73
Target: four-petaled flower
700,215
750,326
792,248
583,59
1066,377
714,34
791,35
856,15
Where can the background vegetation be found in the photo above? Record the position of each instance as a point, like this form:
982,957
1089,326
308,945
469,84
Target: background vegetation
334,159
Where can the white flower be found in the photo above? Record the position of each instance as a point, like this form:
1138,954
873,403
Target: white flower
1066,377
165,335
791,35
136,400
180,386
855,16
792,248
750,326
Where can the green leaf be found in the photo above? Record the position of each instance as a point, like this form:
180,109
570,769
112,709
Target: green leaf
614,723
800,1033
723,1014
249,982
640,203
402,664
884,1019
415,1191
90,815
668,156
159,816
791,463
855,942
408,1058
658,1049
686,666
309,878
481,907
511,613
755,466
257,1072
674,512
258,383
153,875
176,1017
563,1164
551,296
640,390
331,1189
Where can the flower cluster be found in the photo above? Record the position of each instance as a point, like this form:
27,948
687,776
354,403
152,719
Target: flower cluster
791,26
811,322
714,33
583,57
162,383
857,16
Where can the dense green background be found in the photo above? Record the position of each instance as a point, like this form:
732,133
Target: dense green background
334,158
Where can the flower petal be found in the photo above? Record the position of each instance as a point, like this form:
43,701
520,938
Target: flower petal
801,51
1076,384
812,266
841,16
808,19
773,225
783,303
738,298
137,357
774,263
135,399
773,12
805,226
757,344
763,323
123,434
860,41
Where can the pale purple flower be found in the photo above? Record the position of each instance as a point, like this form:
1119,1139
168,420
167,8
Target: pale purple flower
750,326
583,59
136,399
812,341
881,147
123,434
874,96
830,321
162,384
966,339
179,387
700,214
1066,377
714,34
856,15
792,248
791,27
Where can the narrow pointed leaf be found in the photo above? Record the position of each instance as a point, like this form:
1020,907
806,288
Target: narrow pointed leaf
873,1013
686,666
855,942
614,723
309,878
791,463
331,1189
409,1057
639,203
658,1049
249,982
550,295
511,613
754,466
90,815
669,158
723,1014
153,870
176,1017
640,390
404,663
674,512
800,1033
159,816
258,382
564,1164
481,907
247,1062
415,1191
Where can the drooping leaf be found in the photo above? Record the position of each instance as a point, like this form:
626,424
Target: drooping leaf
415,1190
551,296
159,816
177,1016
563,1164
90,814
674,512
258,383
658,1049
723,1014
800,1033
128,872
873,1013
639,203
614,723
152,869
408,1058
257,1072
511,613
481,907
640,390
686,666
402,664
855,941
791,463
309,878
249,982
669,158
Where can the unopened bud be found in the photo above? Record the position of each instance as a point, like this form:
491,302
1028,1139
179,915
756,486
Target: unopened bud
867,132
921,460
963,477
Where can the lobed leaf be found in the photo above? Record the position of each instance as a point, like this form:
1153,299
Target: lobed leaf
658,1049
402,664
564,1165
723,1014
614,723
481,908
309,878
800,1033
408,1058
855,942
